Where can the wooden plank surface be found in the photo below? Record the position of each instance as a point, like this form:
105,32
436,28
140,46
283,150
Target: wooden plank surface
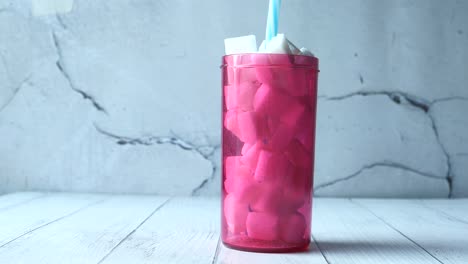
84,228
456,209
14,199
445,239
230,256
85,237
347,233
44,210
185,230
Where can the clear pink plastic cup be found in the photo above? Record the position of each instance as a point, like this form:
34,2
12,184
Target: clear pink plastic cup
268,124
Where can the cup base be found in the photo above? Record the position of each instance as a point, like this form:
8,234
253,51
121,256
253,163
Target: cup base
254,245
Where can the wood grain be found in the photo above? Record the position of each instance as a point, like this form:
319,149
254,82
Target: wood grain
87,228
27,217
456,209
14,199
441,236
85,237
347,233
185,230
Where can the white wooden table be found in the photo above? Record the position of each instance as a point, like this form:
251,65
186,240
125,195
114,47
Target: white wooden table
88,228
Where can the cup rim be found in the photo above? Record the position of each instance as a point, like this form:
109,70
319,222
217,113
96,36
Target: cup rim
276,60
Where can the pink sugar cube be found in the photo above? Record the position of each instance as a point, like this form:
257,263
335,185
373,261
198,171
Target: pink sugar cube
292,82
235,213
235,76
263,165
272,124
294,188
298,154
297,179
250,158
292,228
269,101
239,180
245,190
281,60
305,130
263,74
242,75
252,127
229,75
246,94
293,113
281,136
268,198
307,207
260,60
263,226
272,77
302,59
238,176
246,148
247,122
298,82
270,166
284,195
230,184
305,137
240,96
262,99
278,79
231,165
230,97
293,199
231,123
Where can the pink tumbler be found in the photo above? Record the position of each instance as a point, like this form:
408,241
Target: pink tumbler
269,106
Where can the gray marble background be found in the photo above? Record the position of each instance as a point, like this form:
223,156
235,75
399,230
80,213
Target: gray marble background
124,96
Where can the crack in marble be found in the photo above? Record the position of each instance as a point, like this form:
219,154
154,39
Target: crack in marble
388,164
60,66
15,92
448,176
214,167
205,151
419,103
395,96
451,98
61,22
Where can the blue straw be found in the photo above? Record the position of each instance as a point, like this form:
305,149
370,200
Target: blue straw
272,20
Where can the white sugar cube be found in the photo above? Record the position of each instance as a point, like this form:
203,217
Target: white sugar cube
262,48
306,52
278,44
294,49
245,44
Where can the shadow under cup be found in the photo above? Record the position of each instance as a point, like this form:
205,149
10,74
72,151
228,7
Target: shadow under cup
268,136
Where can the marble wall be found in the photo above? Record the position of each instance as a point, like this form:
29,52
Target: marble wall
124,96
